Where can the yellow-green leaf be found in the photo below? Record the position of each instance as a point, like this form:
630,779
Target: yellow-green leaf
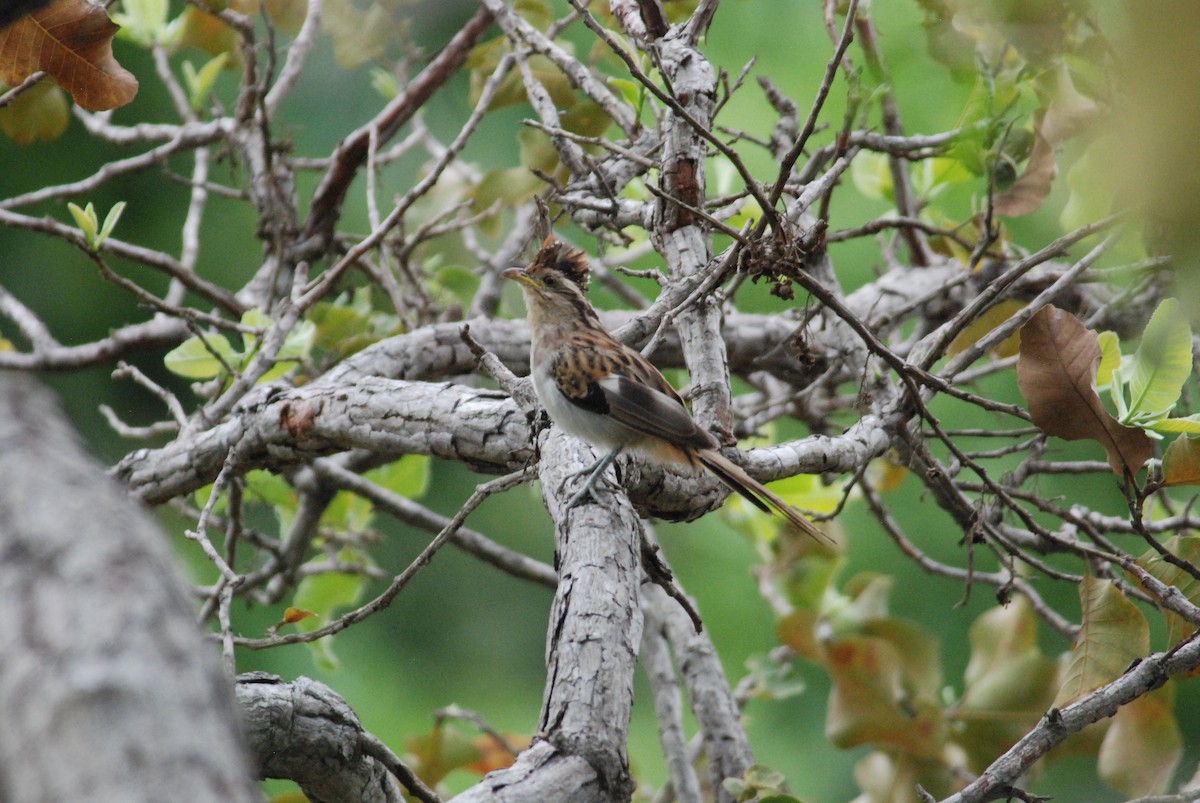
1110,357
195,360
408,476
1114,634
323,595
1143,746
1009,682
40,113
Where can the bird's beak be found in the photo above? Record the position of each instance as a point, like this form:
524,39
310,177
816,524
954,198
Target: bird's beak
519,275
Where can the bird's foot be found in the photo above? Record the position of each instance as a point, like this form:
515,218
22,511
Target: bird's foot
595,474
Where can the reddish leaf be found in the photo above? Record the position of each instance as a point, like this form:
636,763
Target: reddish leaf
493,755
72,41
293,615
870,705
1057,374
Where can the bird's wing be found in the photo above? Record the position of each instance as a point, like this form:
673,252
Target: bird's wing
621,383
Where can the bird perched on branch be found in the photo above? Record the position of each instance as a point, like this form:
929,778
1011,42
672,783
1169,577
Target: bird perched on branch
604,392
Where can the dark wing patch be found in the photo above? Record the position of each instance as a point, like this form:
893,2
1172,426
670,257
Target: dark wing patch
648,410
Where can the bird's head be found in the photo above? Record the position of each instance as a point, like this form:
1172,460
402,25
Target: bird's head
557,277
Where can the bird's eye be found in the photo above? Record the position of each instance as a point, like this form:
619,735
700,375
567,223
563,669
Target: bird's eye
550,280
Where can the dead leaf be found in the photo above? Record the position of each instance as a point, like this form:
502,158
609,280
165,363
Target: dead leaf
1027,192
1068,112
72,41
1057,375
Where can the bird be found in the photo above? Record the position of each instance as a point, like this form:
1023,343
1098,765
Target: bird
598,389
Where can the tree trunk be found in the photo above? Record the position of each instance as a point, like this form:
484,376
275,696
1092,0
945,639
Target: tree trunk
108,690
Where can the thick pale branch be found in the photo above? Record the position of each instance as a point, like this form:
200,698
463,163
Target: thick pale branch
102,659
305,732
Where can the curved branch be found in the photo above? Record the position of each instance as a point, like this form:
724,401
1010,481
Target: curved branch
305,732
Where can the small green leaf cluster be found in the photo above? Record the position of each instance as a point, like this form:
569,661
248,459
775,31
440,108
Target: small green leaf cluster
94,234
759,784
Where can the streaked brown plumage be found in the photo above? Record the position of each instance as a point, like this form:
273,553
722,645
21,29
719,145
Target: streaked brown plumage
597,388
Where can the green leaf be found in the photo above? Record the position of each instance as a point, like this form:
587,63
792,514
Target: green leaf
1188,424
771,679
749,212
110,222
408,476
348,511
511,186
40,113
259,320
1113,635
296,346
324,595
1009,683
143,21
872,175
632,91
194,359
275,492
200,83
1161,364
932,176
299,341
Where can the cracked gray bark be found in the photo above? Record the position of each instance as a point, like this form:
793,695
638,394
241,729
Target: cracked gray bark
306,733
108,688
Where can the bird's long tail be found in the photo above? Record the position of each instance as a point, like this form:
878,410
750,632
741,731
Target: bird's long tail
761,497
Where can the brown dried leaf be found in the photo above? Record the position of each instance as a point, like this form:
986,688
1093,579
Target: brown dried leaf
1057,375
1027,192
72,41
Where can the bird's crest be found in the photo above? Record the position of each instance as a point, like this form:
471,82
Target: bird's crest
570,262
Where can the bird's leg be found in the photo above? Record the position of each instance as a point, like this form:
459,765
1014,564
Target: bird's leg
594,475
